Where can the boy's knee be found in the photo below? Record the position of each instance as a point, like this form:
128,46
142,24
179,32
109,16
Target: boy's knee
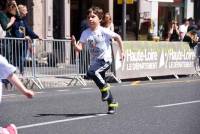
90,74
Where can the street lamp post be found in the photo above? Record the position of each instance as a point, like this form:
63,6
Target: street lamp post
124,20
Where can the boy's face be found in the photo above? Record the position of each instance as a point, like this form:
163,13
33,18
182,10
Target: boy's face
93,20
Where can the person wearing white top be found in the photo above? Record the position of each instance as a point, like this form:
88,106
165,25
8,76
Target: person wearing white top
183,29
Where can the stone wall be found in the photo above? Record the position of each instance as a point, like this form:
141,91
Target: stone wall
38,17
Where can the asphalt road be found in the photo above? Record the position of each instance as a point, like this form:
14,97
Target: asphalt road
156,107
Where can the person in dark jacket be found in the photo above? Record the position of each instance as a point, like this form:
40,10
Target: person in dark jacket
7,18
8,12
21,29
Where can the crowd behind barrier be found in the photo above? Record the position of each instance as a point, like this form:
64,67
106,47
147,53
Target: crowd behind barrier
172,30
57,58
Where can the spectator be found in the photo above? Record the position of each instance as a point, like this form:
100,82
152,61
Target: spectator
84,25
161,30
107,22
21,29
7,17
173,34
192,24
183,29
192,38
198,28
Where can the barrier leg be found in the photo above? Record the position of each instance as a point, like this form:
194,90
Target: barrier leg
176,76
69,84
81,80
77,79
38,83
150,78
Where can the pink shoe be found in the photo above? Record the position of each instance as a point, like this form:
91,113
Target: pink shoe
10,129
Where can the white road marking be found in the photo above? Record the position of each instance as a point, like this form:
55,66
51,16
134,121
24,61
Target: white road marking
169,82
87,88
8,95
39,92
126,85
177,104
59,121
64,90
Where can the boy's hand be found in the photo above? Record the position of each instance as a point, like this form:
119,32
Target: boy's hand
29,94
122,56
77,45
73,40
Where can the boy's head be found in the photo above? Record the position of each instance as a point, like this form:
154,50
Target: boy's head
94,17
97,11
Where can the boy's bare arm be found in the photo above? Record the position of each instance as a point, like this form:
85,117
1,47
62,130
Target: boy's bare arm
16,81
120,43
78,46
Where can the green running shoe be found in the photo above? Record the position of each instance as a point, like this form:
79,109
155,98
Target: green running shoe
112,107
105,92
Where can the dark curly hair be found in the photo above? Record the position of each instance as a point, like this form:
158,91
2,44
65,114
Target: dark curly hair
96,10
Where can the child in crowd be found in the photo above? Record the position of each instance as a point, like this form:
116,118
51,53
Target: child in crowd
7,72
107,21
97,40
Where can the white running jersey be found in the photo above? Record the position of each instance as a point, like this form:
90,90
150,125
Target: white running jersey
5,68
99,43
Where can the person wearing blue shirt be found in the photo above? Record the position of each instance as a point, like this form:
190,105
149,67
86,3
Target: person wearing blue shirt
21,29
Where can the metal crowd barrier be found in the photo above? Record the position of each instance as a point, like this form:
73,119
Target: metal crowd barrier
46,58
57,58
14,49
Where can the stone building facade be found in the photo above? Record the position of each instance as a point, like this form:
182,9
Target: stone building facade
61,18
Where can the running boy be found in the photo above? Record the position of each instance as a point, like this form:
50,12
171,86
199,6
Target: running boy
7,72
98,41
